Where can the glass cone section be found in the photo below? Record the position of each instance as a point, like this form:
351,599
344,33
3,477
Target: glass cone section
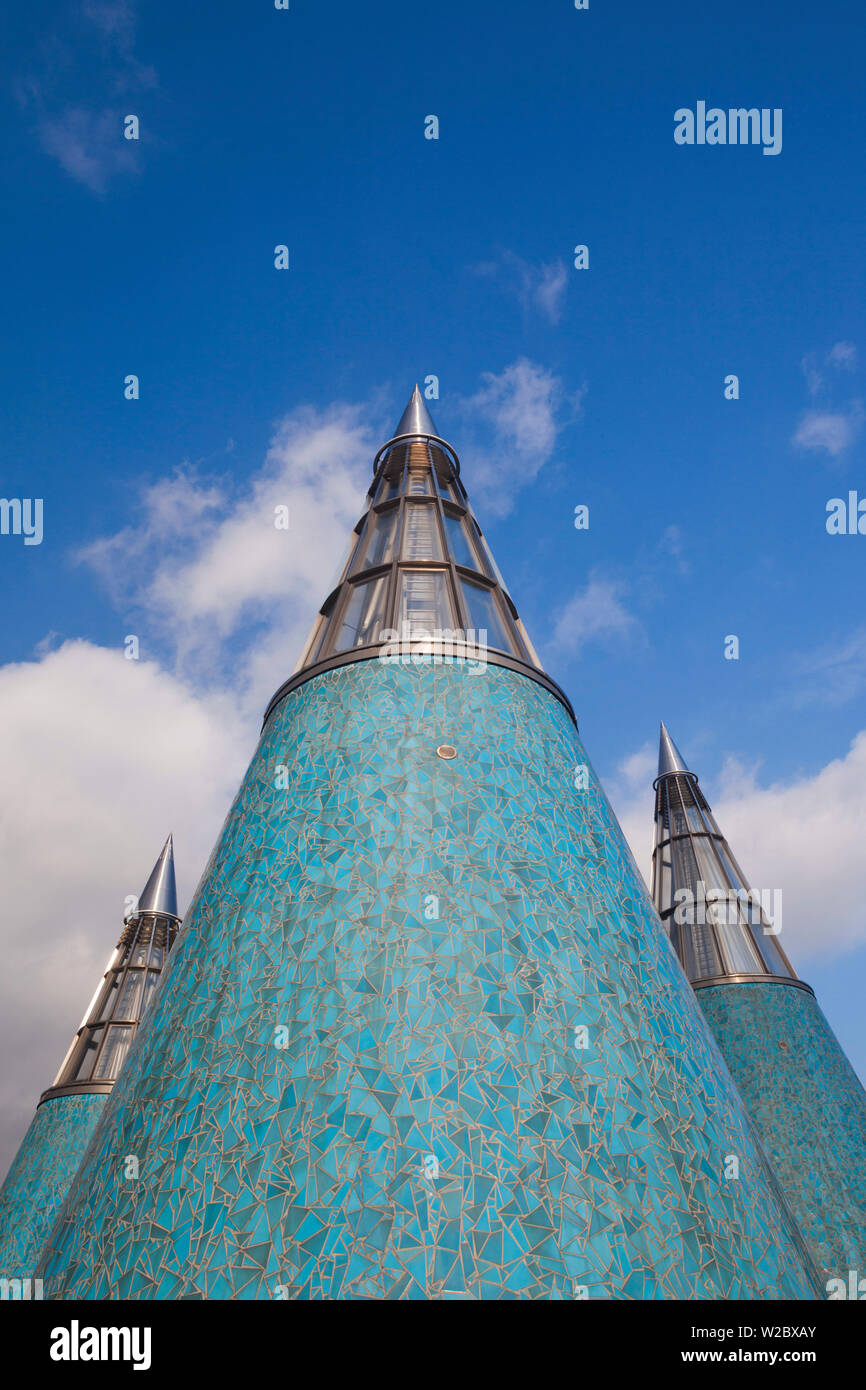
717,924
419,570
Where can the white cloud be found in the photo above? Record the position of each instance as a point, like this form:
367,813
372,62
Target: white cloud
843,355
88,145
595,611
831,428
831,431
116,19
804,837
89,62
515,414
539,289
229,591
834,674
101,757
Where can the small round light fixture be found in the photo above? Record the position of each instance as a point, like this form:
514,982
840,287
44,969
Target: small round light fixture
446,750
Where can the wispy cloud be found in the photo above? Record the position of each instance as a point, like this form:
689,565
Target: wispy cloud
233,595
539,289
512,423
830,428
834,674
73,88
830,431
596,611
116,19
88,145
842,356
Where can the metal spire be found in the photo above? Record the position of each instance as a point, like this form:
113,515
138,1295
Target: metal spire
416,418
670,757
160,893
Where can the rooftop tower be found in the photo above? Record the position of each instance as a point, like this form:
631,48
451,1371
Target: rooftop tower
421,1036
806,1101
66,1116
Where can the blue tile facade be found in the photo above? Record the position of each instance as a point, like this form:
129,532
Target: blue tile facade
808,1106
422,1037
39,1178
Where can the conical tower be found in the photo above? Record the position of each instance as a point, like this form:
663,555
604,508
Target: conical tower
422,1036
806,1101
66,1116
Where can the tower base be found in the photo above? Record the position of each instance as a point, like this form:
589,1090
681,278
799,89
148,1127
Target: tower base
422,1037
808,1106
38,1181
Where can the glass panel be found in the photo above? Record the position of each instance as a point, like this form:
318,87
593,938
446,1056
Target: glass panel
363,615
315,645
737,948
85,1065
109,997
139,955
462,546
678,819
708,865
388,488
701,959
419,483
421,533
352,542
378,548
734,878
424,600
157,956
484,614
685,865
663,890
127,1004
768,945
152,977
112,1057
693,816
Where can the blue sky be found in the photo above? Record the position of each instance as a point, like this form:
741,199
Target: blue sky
558,387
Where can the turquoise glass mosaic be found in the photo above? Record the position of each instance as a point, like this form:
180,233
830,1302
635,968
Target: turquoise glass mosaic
39,1178
422,1037
808,1106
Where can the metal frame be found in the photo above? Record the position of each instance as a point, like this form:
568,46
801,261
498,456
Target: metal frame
442,470
712,835
706,981
142,928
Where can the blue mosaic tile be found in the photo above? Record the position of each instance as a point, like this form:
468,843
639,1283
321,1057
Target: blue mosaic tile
39,1178
808,1107
362,1076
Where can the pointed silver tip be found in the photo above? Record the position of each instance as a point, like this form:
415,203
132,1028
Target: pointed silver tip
416,418
160,891
670,757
